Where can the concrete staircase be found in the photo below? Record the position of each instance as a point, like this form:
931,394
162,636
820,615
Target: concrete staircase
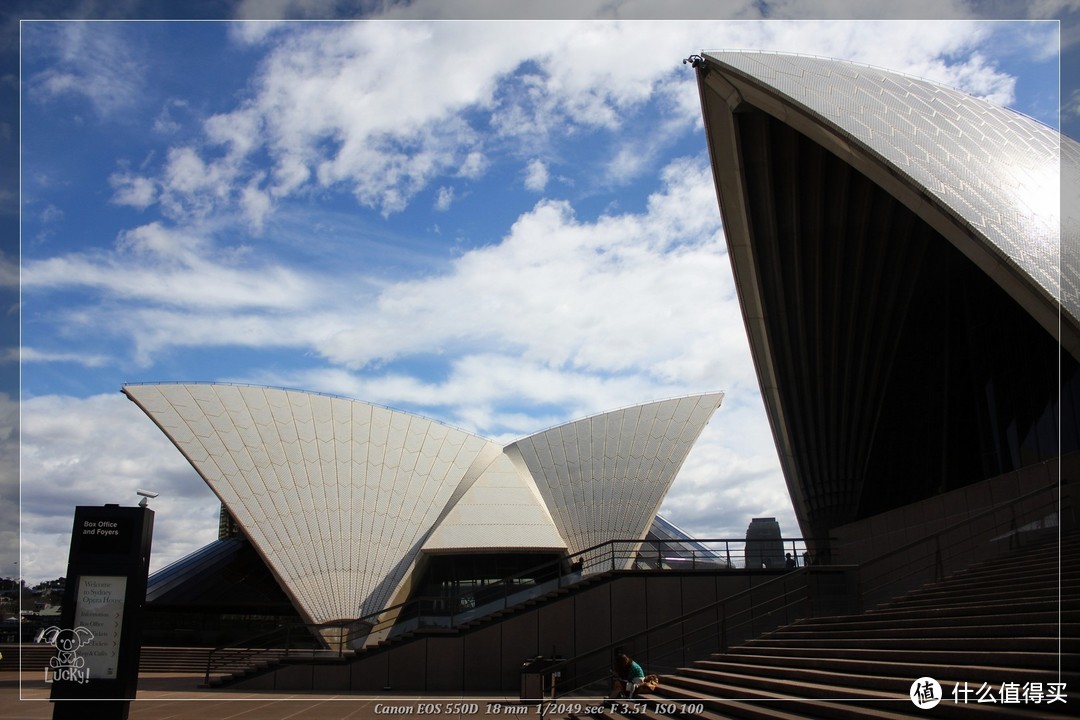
171,660
238,670
996,623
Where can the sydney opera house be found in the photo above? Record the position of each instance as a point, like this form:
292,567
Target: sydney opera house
910,286
352,506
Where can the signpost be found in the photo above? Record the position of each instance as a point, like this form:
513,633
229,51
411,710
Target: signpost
95,672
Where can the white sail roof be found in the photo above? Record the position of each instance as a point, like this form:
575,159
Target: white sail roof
604,477
333,493
339,496
996,172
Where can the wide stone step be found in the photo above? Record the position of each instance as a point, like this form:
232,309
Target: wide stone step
1022,567
1048,561
971,609
1043,611
974,631
886,630
969,601
1025,581
917,666
823,700
929,622
1029,575
732,701
972,644
1023,658
956,599
872,676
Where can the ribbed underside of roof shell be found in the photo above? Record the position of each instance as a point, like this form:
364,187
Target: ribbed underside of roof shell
339,496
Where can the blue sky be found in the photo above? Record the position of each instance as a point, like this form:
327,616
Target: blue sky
500,225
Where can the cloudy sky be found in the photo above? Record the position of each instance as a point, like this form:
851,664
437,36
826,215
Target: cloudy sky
502,225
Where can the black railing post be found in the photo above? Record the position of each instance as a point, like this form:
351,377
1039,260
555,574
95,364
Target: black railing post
939,564
1014,539
723,628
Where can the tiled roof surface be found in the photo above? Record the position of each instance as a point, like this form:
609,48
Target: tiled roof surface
995,169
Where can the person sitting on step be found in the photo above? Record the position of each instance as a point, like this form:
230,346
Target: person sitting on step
627,677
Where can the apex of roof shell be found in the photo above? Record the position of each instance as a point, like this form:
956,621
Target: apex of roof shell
998,172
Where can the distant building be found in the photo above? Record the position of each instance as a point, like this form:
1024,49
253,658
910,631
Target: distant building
764,546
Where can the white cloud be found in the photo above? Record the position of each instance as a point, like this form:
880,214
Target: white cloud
536,175
349,106
32,355
156,264
238,130
1070,108
98,450
94,61
164,123
474,166
444,198
257,205
133,190
622,292
9,272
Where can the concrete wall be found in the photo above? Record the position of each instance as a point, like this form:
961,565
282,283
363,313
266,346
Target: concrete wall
922,542
490,658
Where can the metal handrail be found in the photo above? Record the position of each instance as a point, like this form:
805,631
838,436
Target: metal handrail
597,558
248,648
720,606
939,550
594,560
724,625
608,555
251,648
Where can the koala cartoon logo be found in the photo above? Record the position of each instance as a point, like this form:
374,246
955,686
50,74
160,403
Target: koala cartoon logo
66,664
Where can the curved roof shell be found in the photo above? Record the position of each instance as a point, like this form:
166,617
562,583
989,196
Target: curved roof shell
604,477
893,241
986,177
340,496
333,493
